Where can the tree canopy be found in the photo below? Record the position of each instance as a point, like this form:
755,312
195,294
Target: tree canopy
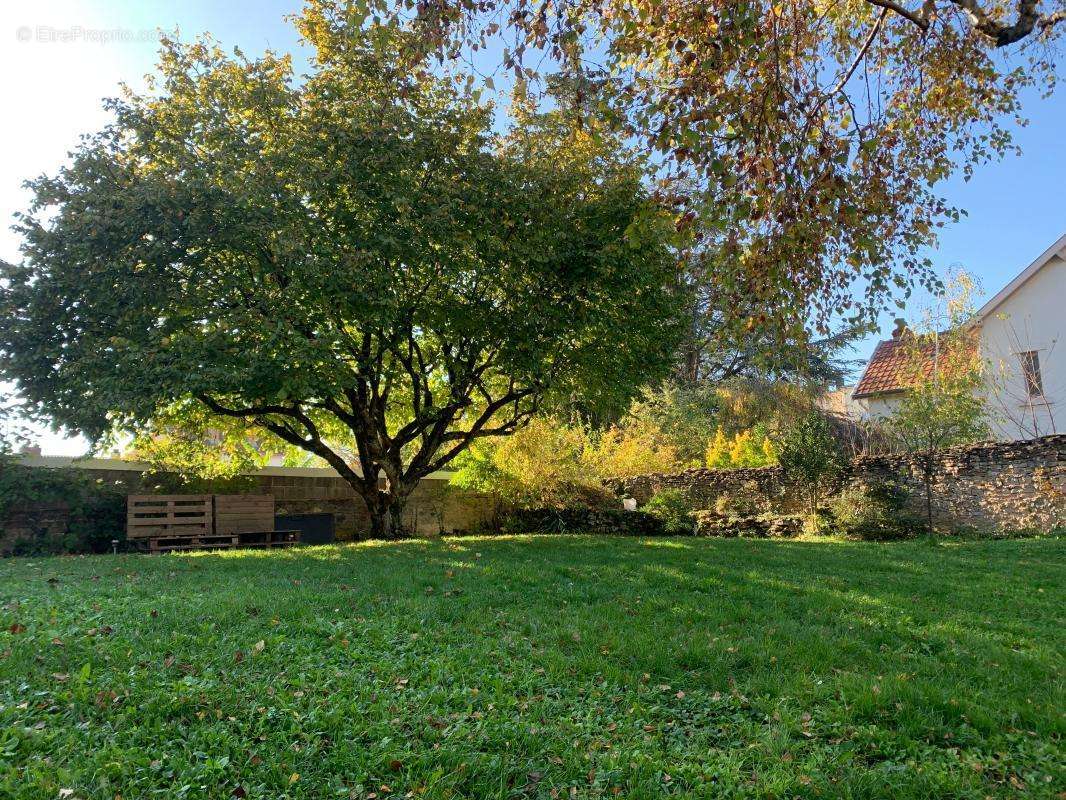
356,253
806,137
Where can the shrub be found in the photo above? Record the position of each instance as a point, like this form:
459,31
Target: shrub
539,466
747,448
875,512
811,458
671,506
634,447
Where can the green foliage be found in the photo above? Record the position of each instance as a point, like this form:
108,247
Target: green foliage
95,513
11,432
355,249
877,512
944,404
542,465
552,464
687,416
811,457
498,656
635,446
189,449
673,507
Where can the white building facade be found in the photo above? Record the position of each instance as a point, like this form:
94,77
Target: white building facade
1019,332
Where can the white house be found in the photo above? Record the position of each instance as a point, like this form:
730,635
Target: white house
1018,333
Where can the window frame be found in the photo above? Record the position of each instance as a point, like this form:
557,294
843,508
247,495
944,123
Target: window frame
1031,374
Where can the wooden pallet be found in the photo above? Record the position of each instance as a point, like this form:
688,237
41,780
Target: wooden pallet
149,516
243,513
249,539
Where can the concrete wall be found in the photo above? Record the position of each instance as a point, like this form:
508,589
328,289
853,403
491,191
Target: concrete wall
432,505
300,490
1006,486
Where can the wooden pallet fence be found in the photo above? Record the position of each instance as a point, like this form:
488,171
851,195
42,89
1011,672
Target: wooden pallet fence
243,513
154,515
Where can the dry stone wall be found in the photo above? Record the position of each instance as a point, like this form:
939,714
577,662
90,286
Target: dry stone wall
993,486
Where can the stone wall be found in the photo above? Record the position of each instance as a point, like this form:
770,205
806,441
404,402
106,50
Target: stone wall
991,486
765,485
1007,486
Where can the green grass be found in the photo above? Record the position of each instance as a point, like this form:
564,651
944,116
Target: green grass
538,667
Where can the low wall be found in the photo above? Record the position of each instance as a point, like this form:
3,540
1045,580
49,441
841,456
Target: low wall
433,504
989,486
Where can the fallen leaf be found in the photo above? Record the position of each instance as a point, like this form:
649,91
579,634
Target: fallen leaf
259,646
395,765
238,791
238,656
153,613
62,677
17,628
294,777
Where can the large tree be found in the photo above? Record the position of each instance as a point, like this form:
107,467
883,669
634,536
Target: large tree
816,131
355,254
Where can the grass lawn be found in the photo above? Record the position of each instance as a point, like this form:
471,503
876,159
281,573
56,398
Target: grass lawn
538,667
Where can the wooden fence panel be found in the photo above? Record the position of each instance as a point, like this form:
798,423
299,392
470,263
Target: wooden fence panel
244,513
151,515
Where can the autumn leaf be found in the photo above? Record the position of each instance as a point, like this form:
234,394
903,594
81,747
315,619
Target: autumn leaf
259,646
17,628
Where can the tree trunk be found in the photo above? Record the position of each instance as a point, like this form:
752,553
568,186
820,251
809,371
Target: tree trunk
929,499
386,513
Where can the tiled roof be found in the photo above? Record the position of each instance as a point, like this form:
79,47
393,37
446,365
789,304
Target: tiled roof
889,366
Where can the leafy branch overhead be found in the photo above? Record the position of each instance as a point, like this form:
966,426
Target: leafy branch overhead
805,138
354,258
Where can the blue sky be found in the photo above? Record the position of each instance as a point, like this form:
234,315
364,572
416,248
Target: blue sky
60,57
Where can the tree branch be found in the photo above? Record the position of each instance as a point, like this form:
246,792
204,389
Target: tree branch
914,16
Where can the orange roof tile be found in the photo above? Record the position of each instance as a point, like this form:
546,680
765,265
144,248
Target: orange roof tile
888,368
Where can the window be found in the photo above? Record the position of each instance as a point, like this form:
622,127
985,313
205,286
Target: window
1031,371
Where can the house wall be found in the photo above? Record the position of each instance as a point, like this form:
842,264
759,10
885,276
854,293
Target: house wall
876,407
1033,317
